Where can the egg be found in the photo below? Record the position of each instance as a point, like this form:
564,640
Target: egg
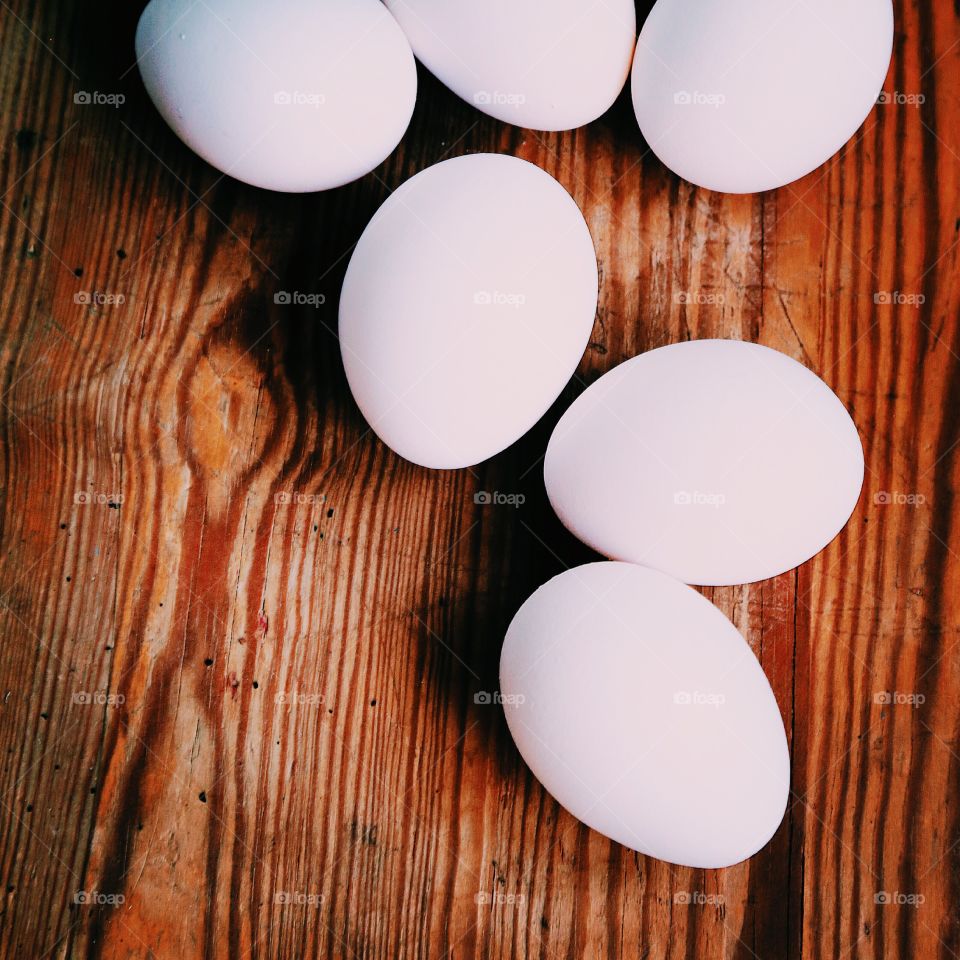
294,95
715,461
749,95
466,306
644,713
549,66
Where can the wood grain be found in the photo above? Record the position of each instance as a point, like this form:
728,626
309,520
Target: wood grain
242,641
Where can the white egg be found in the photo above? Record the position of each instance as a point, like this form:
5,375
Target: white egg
466,307
642,710
551,66
294,95
748,95
716,461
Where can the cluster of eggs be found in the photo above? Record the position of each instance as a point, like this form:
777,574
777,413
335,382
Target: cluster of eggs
635,701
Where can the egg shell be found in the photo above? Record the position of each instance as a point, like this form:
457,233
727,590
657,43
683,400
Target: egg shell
549,66
716,461
749,95
466,307
294,95
642,710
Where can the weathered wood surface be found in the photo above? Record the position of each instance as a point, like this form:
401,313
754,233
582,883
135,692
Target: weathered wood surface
282,694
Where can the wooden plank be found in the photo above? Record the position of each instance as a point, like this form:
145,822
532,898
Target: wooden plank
243,698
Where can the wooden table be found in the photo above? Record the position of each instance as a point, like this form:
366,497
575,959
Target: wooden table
242,640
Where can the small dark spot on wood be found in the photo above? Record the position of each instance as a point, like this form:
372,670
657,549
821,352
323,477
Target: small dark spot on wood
330,512
112,505
208,662
63,526
26,139
256,686
44,715
139,826
598,348
543,923
78,271
314,528
203,796
108,647
68,579
29,808
122,254
10,888
373,703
